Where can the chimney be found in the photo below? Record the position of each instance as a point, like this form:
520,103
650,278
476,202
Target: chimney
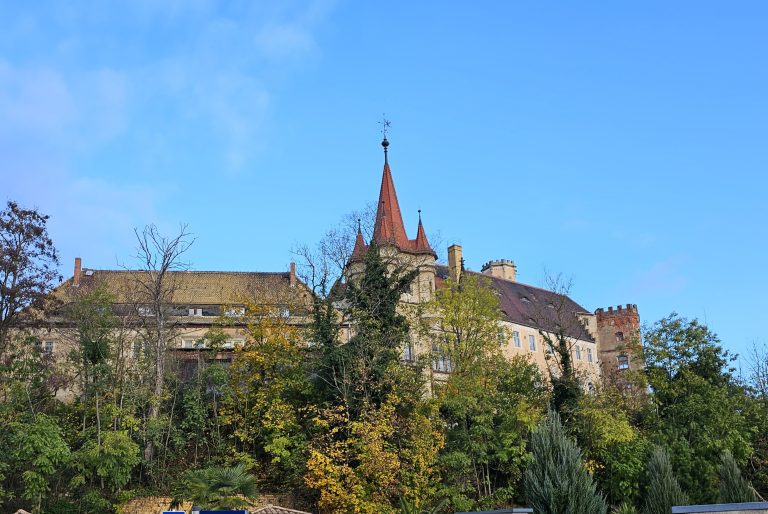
78,272
292,277
502,268
454,262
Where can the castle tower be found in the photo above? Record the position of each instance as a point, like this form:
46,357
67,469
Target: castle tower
618,339
396,248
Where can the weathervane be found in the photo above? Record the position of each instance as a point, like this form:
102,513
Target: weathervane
385,123
384,127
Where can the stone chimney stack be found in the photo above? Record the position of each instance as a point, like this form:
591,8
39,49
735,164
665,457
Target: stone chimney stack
502,268
78,272
454,262
292,275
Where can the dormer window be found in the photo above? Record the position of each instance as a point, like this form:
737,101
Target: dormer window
525,299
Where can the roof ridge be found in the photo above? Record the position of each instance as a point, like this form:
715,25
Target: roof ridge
192,271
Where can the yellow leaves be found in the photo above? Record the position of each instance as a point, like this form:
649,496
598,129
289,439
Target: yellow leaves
366,465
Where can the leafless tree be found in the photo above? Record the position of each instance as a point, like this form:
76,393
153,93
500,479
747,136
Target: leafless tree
758,368
154,286
322,265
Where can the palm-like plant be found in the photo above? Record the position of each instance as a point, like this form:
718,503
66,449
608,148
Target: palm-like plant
217,488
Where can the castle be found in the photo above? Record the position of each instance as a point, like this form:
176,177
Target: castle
196,300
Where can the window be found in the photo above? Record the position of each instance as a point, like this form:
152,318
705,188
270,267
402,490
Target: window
589,354
516,338
47,347
619,337
441,362
191,344
623,362
145,310
549,347
235,312
408,352
532,342
230,344
194,311
502,336
578,352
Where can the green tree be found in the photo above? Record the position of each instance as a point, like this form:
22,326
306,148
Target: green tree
733,487
268,393
663,491
39,453
488,404
700,410
615,450
556,481
375,438
217,488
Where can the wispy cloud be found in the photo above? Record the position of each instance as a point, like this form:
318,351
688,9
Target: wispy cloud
147,79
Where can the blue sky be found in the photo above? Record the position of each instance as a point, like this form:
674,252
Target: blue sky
621,144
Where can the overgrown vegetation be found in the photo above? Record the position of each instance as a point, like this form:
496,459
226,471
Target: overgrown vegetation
343,422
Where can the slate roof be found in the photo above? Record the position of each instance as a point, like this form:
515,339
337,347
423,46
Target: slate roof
532,306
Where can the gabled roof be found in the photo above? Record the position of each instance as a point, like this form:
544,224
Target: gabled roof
196,287
532,306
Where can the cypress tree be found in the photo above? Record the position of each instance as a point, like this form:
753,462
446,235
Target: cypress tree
663,491
556,481
734,488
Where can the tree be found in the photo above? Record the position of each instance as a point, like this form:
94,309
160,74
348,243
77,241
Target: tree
663,491
158,256
216,488
556,481
733,487
93,324
615,450
375,437
488,404
700,410
28,265
39,452
366,370
266,407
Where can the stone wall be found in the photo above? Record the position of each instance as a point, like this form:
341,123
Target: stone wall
158,504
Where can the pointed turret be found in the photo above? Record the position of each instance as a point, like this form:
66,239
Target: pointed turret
389,227
358,252
422,245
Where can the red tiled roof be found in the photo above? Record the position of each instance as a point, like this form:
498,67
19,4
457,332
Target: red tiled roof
389,227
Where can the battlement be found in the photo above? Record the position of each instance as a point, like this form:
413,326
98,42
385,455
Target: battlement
501,268
497,262
620,310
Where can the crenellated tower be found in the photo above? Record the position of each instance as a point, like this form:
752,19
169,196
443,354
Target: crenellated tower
618,338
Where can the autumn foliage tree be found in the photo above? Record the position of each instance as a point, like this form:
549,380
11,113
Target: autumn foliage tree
28,265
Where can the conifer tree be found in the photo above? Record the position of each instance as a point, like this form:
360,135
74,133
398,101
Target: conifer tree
663,490
734,488
556,481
